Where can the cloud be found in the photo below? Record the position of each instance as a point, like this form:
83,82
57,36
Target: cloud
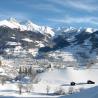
45,5
70,20
53,11
8,14
83,5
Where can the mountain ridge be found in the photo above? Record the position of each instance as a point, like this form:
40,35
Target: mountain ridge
29,26
79,45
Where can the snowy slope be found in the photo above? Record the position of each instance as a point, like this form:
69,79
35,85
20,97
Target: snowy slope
64,76
89,93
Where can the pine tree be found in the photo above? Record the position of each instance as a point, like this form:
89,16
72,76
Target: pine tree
26,71
30,71
0,63
20,71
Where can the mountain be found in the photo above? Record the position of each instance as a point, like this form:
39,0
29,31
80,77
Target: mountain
66,46
82,44
28,26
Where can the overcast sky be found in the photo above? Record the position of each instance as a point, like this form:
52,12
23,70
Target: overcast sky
77,13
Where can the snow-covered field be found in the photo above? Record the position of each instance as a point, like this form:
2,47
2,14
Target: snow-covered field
88,93
54,79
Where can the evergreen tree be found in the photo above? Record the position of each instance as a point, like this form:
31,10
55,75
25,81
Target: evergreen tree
26,71
0,63
20,70
30,71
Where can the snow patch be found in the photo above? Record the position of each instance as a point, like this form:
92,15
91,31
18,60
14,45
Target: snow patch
13,43
27,39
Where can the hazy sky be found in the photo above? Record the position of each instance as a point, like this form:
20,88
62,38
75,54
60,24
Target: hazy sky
77,13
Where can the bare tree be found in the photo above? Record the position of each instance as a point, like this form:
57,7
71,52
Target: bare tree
3,79
70,90
20,86
29,88
59,91
47,89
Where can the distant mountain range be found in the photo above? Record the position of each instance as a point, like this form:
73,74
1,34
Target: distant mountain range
66,44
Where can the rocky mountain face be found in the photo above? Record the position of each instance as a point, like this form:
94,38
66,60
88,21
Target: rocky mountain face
69,45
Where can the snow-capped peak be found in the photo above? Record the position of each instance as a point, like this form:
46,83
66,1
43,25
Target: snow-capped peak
31,26
47,30
7,23
13,20
90,30
63,30
11,23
